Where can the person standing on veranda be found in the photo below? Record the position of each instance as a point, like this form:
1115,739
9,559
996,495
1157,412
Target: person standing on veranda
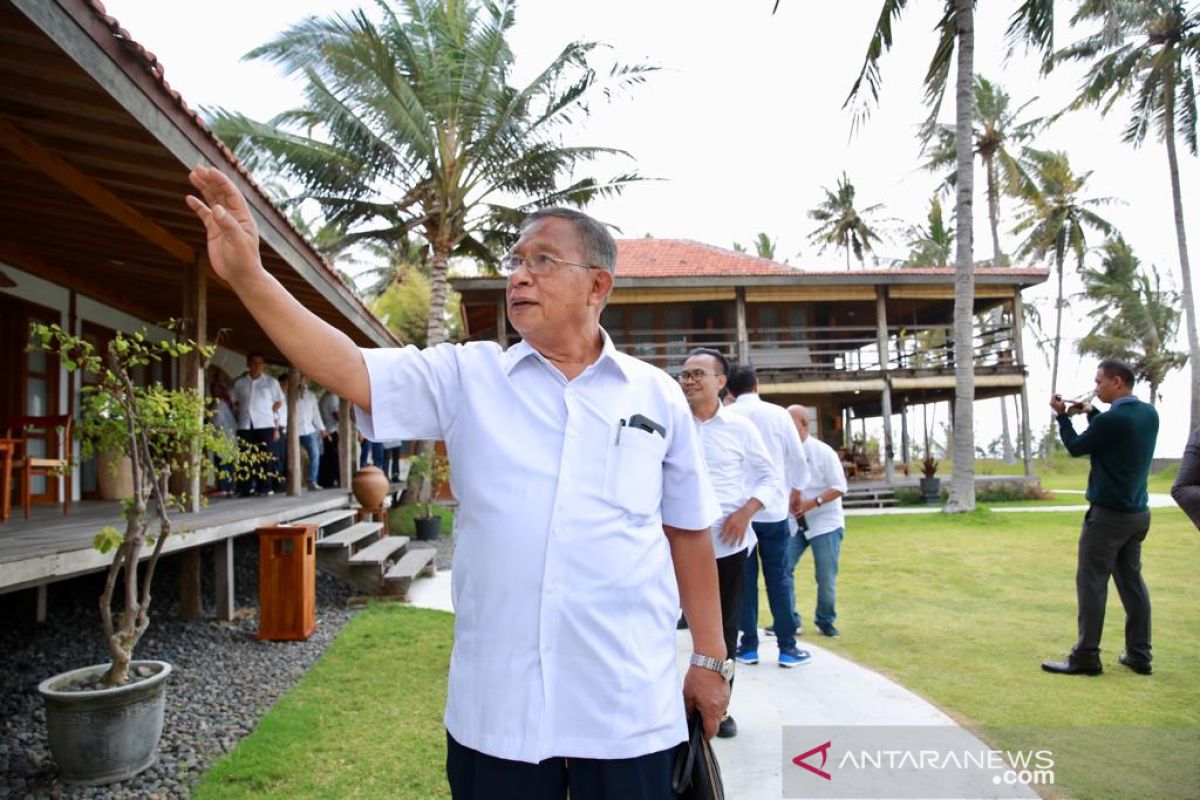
579,535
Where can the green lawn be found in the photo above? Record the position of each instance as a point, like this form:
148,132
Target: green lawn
365,722
962,609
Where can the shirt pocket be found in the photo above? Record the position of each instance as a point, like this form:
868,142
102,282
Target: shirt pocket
633,480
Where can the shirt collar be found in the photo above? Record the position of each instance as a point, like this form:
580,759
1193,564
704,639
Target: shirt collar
608,354
722,414
1126,399
748,397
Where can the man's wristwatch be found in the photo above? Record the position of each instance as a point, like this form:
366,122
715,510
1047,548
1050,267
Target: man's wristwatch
820,502
723,668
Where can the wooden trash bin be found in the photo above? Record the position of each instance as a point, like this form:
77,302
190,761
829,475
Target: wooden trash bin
287,582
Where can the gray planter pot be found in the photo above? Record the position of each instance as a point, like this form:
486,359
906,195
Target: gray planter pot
931,490
105,735
429,529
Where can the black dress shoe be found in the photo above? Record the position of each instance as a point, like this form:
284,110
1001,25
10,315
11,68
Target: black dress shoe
1140,667
727,729
1072,667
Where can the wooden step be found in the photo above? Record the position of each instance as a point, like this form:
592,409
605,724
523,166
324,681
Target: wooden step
381,551
350,536
416,561
327,519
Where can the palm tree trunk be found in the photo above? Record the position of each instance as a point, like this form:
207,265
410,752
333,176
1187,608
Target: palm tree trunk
1189,307
435,329
993,196
962,483
1058,311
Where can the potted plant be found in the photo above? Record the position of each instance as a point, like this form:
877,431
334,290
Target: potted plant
431,469
931,485
104,721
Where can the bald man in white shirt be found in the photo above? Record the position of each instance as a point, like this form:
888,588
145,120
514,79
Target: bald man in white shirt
583,520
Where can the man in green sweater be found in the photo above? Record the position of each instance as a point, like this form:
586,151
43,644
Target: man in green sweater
1120,442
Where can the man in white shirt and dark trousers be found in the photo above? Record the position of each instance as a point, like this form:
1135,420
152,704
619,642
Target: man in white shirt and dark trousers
257,401
742,476
771,523
821,520
329,474
583,519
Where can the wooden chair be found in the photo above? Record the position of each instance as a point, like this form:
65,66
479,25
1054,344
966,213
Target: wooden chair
58,430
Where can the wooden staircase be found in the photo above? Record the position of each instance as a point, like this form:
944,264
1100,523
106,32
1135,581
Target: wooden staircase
356,553
870,497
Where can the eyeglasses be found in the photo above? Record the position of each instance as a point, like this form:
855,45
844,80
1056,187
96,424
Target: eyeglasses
537,264
693,375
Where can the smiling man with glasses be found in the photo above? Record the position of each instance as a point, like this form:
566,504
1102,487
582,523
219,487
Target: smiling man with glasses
584,508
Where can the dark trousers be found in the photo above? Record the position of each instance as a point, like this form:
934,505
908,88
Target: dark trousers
330,473
261,438
475,776
1110,544
731,572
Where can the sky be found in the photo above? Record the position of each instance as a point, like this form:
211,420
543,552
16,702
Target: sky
743,125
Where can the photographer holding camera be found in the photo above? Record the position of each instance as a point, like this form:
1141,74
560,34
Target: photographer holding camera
1121,443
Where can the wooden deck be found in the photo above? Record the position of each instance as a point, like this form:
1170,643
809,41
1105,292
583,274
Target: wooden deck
50,547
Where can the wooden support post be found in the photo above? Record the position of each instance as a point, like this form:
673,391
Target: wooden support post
1018,312
904,454
39,613
347,443
743,335
889,470
191,367
190,603
502,322
223,563
294,478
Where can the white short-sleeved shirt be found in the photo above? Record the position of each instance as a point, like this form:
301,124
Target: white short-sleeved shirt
824,473
255,399
563,583
308,417
783,445
329,411
739,468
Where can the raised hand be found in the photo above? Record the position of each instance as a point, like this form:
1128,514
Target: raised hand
230,228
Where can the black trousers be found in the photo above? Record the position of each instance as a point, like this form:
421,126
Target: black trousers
1110,544
476,776
731,573
263,438
329,473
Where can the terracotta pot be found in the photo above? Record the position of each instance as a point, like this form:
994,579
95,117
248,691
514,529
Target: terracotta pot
370,486
114,484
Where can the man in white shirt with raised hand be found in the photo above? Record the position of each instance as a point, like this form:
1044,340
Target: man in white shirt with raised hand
742,476
771,523
258,402
583,518
818,510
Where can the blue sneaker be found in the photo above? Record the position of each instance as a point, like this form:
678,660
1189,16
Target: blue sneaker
747,656
794,657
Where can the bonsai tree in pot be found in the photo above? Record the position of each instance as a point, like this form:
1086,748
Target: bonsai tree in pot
431,469
162,431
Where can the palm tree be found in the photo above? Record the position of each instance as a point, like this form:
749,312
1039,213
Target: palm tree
764,246
411,126
842,225
1150,52
956,36
930,246
1136,319
1055,221
997,128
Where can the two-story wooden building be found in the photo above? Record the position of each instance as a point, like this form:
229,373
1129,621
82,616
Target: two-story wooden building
854,344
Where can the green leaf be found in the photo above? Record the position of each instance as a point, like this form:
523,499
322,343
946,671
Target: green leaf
108,539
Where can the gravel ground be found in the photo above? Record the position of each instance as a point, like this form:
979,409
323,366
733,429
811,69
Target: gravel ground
224,681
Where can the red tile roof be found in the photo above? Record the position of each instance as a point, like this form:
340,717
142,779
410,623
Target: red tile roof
684,258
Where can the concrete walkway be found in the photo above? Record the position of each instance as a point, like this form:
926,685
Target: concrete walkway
829,691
